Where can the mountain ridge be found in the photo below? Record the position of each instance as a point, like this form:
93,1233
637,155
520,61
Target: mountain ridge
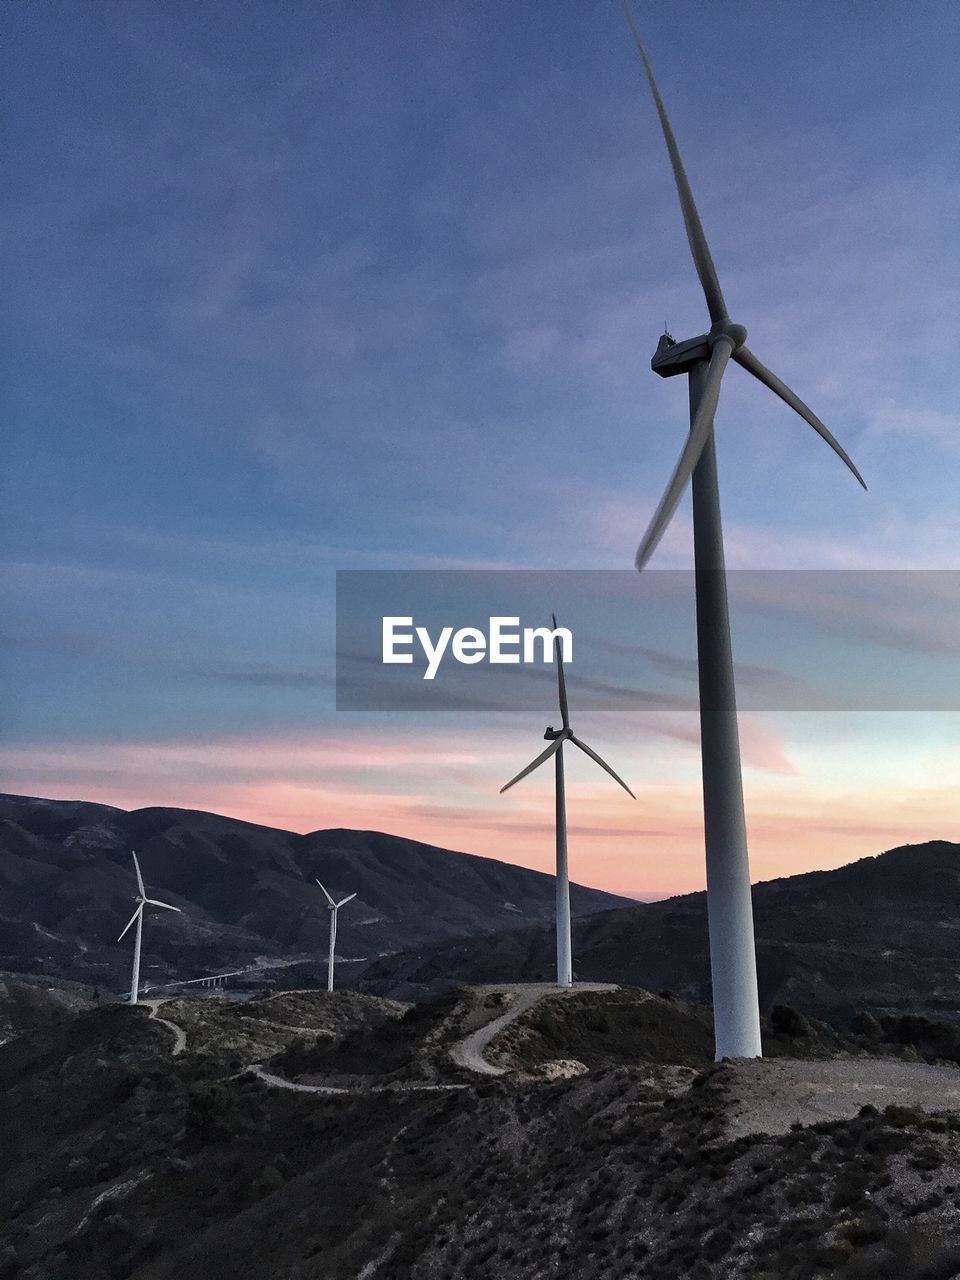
881,932
246,891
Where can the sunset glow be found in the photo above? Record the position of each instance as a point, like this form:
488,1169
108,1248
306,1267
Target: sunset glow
811,804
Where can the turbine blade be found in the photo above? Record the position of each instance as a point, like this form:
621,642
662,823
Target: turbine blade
561,681
747,360
154,903
544,755
602,763
700,430
344,901
691,219
136,867
131,920
327,896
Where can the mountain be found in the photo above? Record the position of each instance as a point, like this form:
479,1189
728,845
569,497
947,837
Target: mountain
883,932
246,892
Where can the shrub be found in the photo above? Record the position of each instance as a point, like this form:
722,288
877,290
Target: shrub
930,1038
865,1024
787,1021
900,1117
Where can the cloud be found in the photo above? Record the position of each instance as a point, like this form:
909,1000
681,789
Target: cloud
777,688
912,612
887,417
267,677
763,749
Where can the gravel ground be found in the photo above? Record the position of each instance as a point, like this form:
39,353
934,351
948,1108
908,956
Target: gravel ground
769,1095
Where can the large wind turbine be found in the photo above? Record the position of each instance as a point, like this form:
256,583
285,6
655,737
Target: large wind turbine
557,737
333,908
704,360
143,901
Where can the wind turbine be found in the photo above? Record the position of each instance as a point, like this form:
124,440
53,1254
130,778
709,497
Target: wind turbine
556,738
333,908
143,901
704,359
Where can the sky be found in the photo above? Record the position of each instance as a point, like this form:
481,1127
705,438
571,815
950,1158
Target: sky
293,288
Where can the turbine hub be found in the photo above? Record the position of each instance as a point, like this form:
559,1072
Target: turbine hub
726,329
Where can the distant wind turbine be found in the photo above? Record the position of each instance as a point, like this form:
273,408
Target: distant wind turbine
137,916
333,908
557,738
704,359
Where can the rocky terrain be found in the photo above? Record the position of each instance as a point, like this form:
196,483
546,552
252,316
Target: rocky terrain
610,1145
246,893
240,1032
882,933
27,1003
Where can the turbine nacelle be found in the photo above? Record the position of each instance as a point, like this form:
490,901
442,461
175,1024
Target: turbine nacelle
335,906
673,357
551,734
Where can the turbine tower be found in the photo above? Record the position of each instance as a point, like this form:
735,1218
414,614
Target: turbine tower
704,359
333,908
556,738
143,901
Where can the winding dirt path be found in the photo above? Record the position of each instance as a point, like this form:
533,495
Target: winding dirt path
468,1052
281,1082
180,1036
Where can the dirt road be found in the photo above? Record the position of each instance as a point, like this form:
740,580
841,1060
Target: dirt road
280,1082
469,1051
180,1036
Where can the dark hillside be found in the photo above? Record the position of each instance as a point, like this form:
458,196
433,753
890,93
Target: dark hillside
881,933
123,1162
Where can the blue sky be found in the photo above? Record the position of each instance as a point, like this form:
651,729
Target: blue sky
299,287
